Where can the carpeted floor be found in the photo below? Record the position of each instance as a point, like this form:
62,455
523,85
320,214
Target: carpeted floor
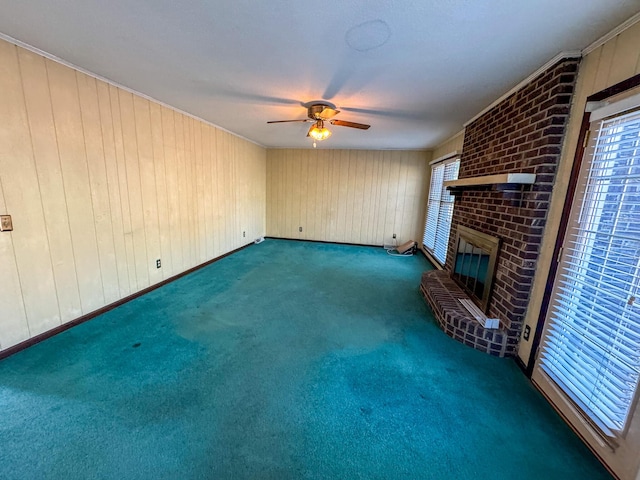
286,360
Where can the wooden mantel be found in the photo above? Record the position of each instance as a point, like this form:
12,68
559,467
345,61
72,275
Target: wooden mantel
500,178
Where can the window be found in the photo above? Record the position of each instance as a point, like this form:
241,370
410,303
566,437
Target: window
440,209
591,345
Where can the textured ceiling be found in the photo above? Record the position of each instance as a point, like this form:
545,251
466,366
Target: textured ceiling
415,70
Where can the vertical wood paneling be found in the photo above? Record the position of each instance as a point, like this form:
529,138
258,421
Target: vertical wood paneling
280,212
225,189
75,173
173,206
136,208
45,148
376,236
312,217
453,144
341,176
207,190
215,187
293,210
121,169
369,201
605,60
229,191
334,204
161,188
113,187
100,183
196,189
321,196
303,192
94,150
358,198
401,197
14,324
219,183
351,196
626,56
192,190
350,187
22,196
231,217
146,164
391,210
381,217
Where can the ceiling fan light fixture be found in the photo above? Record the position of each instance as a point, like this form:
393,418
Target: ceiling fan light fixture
319,132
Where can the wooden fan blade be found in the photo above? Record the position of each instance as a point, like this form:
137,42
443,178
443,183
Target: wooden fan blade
287,121
343,123
328,113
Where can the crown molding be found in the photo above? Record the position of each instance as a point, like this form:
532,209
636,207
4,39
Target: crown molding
526,81
613,33
59,60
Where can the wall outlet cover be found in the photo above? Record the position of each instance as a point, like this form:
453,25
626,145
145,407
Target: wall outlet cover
6,224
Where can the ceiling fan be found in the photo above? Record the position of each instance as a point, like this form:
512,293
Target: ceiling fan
318,113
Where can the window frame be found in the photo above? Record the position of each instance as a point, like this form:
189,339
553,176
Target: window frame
436,198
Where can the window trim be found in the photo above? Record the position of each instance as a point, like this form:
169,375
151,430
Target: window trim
450,157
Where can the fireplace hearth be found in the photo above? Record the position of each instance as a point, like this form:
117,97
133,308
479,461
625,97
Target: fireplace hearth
443,296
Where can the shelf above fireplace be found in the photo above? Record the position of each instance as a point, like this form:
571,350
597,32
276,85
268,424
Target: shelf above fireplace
501,178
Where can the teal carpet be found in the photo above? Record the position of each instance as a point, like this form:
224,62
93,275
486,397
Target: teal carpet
286,360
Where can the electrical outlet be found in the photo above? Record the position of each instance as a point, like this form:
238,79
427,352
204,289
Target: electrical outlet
394,236
244,234
158,263
527,332
6,225
299,229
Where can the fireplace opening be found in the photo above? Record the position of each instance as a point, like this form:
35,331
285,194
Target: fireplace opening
474,264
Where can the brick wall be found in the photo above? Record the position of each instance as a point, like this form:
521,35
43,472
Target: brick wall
522,134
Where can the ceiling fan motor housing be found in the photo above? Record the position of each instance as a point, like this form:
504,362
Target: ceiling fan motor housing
314,112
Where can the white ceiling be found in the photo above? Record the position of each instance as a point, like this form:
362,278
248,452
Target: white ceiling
415,70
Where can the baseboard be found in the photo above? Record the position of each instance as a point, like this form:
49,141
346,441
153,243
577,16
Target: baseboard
72,323
324,241
525,369
431,258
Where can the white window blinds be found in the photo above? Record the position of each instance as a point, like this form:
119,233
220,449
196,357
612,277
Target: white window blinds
440,209
591,347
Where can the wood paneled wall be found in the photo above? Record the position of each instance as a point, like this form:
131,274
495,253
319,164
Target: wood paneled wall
453,144
100,184
351,196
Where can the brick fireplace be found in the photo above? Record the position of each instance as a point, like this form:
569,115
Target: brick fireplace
521,134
